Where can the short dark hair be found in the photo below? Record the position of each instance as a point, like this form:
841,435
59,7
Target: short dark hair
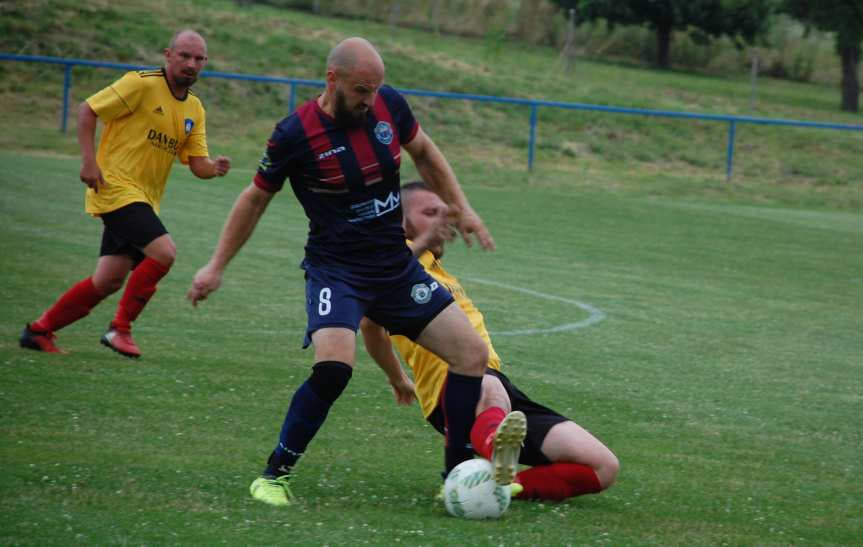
413,185
409,188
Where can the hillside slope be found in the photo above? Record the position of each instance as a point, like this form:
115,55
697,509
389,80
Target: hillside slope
488,144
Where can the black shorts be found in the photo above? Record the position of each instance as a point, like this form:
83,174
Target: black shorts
540,419
129,229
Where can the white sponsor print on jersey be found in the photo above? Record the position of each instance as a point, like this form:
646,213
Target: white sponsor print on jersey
331,152
373,208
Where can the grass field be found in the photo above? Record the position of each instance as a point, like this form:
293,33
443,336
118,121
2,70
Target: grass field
725,376
725,372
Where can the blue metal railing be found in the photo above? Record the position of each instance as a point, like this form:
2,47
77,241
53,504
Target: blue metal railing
533,104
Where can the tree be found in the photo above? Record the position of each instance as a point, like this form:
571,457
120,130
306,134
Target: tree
738,19
845,18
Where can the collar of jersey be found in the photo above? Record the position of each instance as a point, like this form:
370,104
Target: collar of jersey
171,91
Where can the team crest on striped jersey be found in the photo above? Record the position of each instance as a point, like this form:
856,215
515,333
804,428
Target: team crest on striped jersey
384,132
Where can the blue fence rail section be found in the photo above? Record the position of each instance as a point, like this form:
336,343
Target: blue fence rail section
533,104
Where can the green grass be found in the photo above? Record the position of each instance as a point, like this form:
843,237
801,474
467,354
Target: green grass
629,154
725,376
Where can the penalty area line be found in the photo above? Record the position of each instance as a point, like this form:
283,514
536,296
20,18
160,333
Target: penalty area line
595,316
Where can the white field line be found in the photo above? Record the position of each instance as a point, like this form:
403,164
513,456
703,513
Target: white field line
596,315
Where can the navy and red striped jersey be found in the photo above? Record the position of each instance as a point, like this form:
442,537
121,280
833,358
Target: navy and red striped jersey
347,180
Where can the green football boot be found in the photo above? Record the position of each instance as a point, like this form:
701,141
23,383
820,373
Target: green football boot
273,490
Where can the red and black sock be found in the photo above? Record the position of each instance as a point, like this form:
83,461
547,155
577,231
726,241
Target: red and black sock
74,304
558,481
139,289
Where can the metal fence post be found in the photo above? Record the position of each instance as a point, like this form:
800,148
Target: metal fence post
534,104
729,160
67,83
532,141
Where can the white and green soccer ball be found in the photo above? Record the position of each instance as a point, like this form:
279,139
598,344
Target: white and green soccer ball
470,491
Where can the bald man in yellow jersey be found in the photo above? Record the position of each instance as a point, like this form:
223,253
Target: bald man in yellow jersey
151,117
566,459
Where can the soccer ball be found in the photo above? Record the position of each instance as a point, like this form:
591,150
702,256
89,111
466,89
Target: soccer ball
470,491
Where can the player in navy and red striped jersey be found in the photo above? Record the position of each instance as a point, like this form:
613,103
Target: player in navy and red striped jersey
347,181
341,153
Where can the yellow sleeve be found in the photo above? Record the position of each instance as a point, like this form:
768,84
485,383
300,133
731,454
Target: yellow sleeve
118,99
196,143
426,260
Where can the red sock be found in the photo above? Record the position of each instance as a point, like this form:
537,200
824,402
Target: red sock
483,430
140,287
558,481
74,304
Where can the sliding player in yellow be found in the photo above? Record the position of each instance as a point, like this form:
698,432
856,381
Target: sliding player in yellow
151,117
565,459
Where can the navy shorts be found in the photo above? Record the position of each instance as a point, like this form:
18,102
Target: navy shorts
403,304
540,420
129,229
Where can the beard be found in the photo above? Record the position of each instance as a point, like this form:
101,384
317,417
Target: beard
347,117
185,80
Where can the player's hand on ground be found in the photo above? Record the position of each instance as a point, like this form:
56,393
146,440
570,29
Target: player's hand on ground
91,175
470,225
222,164
205,282
404,391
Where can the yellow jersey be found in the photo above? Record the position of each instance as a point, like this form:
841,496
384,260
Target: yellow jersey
429,370
146,127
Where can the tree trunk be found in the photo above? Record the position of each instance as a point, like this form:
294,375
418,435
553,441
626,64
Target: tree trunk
850,54
663,46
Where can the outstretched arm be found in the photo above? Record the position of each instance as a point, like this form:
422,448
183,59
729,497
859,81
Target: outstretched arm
435,170
380,348
206,168
244,216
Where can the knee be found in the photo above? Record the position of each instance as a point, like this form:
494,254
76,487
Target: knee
329,379
162,250
167,256
493,394
471,358
608,470
108,286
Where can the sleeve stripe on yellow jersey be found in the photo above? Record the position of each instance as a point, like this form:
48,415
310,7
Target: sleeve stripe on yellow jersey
122,99
147,73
